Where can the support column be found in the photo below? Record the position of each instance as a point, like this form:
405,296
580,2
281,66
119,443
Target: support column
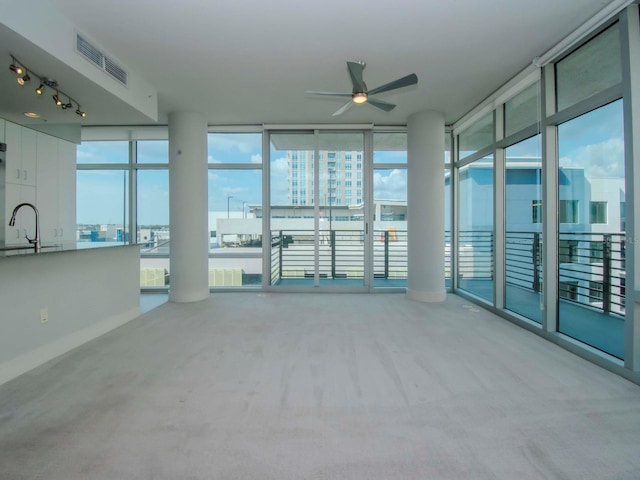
425,199
188,207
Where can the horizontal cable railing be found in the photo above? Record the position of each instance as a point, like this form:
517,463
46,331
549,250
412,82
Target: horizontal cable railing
591,267
592,270
340,254
475,255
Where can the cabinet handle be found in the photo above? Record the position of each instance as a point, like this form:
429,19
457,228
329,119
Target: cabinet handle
18,174
55,233
24,177
61,231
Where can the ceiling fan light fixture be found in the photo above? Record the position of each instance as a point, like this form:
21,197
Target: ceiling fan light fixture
359,98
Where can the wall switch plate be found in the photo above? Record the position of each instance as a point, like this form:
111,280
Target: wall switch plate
44,315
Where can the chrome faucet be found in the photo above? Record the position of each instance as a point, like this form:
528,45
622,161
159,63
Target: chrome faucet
35,241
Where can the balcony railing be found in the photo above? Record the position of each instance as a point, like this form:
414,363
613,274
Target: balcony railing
475,255
390,254
591,267
340,254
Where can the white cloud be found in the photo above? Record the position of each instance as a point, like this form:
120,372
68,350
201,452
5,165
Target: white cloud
391,185
210,159
599,160
256,158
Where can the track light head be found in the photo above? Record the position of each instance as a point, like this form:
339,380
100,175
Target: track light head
17,69
40,89
80,112
22,80
57,100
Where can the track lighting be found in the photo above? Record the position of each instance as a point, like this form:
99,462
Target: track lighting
24,75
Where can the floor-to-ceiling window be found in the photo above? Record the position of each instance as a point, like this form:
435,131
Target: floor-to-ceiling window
591,194
235,209
523,264
475,235
591,239
151,160
390,209
102,193
523,228
476,246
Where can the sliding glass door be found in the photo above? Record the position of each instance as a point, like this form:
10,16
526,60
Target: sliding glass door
318,209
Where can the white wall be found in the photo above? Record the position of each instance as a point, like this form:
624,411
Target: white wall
86,292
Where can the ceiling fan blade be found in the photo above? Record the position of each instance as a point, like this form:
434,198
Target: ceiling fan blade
355,72
401,82
329,94
343,109
387,107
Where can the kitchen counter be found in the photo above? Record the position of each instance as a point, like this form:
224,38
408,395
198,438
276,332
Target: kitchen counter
27,250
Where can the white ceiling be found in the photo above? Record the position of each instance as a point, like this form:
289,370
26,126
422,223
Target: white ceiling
250,61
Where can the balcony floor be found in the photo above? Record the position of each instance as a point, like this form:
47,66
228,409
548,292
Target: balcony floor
269,385
588,325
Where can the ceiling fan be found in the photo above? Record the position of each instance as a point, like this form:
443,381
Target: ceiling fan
361,94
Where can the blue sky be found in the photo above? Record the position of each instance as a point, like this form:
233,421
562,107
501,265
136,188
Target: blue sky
593,141
101,194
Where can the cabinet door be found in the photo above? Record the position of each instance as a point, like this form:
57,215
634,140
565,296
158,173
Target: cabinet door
47,190
67,192
28,158
13,139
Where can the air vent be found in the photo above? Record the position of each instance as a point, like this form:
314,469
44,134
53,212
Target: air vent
95,56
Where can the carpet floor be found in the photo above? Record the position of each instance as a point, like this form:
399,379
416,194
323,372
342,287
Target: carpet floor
303,386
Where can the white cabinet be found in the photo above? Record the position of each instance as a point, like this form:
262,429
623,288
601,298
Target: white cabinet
21,155
18,184
56,192
67,192
41,170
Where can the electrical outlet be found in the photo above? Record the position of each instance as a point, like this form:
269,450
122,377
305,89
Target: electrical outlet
44,315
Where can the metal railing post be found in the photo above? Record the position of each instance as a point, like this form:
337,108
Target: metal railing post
535,253
280,255
332,236
386,254
606,273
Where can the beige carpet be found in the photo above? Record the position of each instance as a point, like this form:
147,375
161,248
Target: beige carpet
274,386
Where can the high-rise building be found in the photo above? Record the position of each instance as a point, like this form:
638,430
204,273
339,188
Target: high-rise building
340,177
